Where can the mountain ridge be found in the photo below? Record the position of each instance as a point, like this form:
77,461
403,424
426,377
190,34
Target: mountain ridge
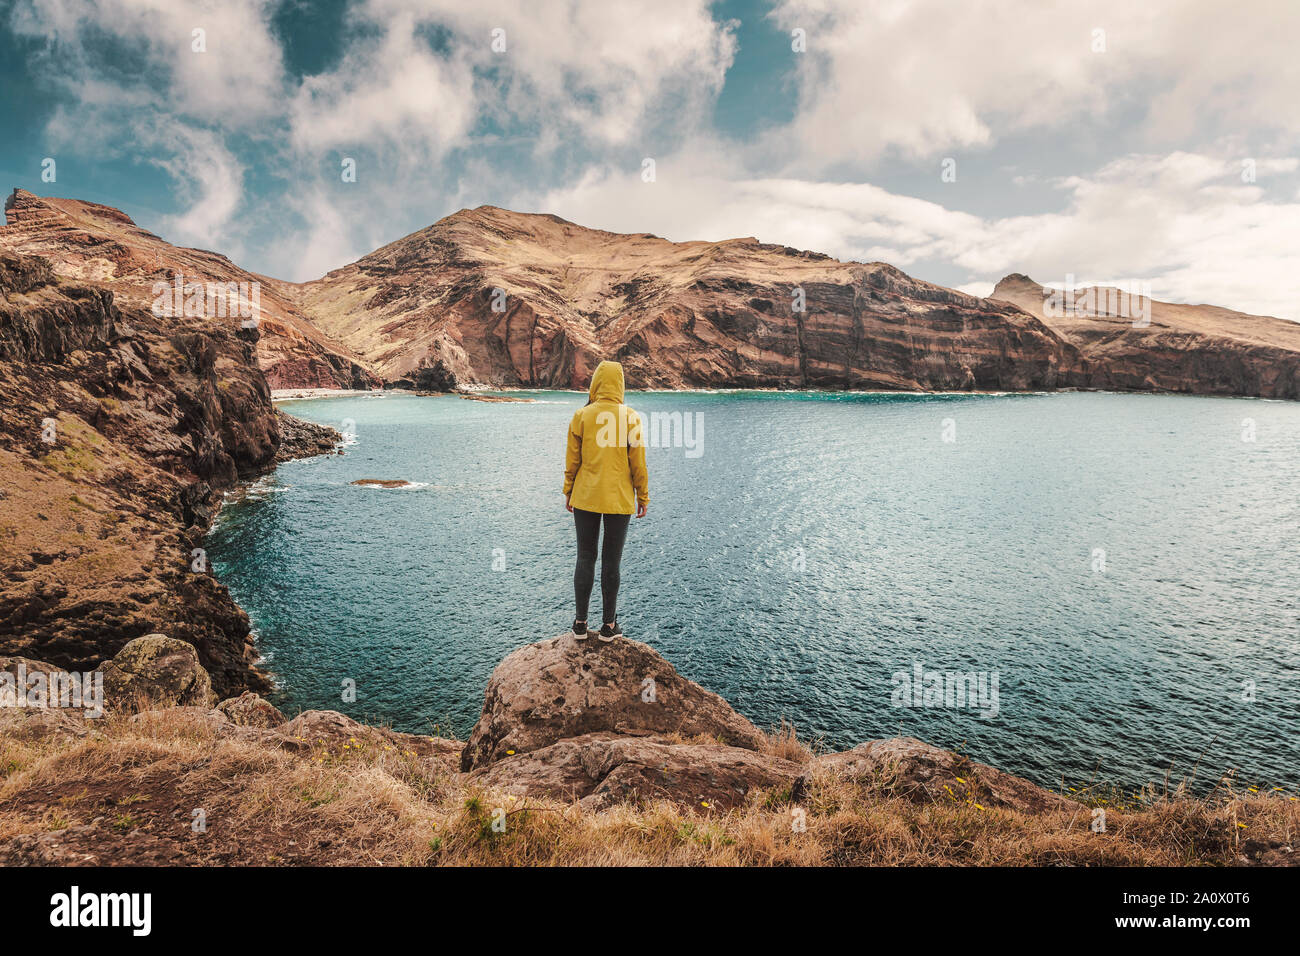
699,313
491,297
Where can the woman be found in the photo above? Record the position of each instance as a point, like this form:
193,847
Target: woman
604,462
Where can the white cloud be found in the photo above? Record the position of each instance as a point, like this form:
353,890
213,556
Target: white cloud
105,50
922,77
587,69
210,180
434,116
390,93
1184,222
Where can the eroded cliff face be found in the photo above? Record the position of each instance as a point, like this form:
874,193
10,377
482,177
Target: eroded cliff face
1201,349
100,246
119,433
421,311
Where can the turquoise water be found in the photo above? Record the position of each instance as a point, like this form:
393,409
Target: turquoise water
810,548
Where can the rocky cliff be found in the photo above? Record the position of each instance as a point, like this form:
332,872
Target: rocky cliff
94,245
492,296
1201,349
120,431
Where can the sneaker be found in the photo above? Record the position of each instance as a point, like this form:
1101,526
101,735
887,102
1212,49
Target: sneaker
608,632
579,630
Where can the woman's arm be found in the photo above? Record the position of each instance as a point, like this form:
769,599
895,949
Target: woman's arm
572,457
636,462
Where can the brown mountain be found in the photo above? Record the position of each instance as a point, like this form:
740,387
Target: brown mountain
421,311
101,246
1184,348
489,296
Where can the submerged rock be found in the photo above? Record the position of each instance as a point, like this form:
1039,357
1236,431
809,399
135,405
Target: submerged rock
383,482
473,397
561,688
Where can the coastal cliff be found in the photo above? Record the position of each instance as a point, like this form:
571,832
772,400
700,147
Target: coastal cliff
490,296
1196,349
92,245
120,433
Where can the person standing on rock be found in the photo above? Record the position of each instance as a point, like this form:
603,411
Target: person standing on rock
605,479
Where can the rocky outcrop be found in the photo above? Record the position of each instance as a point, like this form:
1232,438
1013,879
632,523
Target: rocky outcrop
1201,349
908,768
598,770
323,789
492,296
303,439
628,730
42,723
563,688
120,432
605,723
250,710
101,247
160,670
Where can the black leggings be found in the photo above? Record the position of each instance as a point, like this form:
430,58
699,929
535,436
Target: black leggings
587,524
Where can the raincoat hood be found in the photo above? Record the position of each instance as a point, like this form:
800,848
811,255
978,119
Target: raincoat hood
607,383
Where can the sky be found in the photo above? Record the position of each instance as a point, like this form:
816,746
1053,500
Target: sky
1105,140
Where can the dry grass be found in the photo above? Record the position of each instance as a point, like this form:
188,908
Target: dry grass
365,805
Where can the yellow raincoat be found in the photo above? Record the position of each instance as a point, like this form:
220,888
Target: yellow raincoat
605,458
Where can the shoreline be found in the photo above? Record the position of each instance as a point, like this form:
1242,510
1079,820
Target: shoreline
315,394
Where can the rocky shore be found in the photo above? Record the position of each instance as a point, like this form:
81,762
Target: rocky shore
584,753
121,432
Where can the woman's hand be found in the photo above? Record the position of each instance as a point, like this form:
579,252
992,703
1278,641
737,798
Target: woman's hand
568,506
640,509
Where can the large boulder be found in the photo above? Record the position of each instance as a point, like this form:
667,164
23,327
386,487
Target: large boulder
159,671
250,710
605,768
909,768
560,688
